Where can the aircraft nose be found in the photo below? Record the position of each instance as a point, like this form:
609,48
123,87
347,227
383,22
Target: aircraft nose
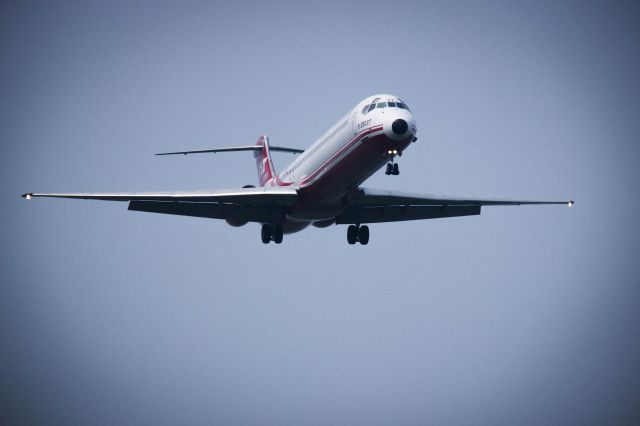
399,127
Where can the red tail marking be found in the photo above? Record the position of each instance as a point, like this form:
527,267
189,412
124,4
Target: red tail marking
266,172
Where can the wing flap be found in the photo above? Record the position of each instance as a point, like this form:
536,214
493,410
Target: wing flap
237,212
396,213
264,204
374,206
376,197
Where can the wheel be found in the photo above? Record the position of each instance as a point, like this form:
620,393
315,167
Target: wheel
265,234
389,169
277,233
396,170
363,235
352,234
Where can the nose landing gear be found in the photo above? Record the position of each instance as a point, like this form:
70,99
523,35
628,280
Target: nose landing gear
392,167
357,233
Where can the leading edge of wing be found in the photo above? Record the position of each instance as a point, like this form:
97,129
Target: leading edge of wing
273,195
378,197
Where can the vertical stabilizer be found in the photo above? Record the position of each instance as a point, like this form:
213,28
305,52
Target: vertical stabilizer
266,173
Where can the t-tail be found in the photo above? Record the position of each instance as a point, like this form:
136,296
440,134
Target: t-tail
261,151
266,172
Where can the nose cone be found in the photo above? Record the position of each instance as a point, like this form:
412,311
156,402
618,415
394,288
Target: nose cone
399,127
399,124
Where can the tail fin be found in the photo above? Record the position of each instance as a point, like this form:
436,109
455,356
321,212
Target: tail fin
266,172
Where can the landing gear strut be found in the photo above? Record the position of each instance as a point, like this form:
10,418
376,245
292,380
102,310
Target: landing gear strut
392,167
270,233
357,233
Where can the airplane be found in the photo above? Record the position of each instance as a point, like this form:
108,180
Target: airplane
322,186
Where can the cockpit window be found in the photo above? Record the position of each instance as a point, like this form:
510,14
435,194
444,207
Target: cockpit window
402,105
390,104
370,106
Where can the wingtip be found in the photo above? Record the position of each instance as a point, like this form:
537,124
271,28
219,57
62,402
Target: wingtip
28,195
571,203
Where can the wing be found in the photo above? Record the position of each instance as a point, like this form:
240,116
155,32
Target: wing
372,206
264,204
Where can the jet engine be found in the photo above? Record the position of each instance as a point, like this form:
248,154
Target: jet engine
236,222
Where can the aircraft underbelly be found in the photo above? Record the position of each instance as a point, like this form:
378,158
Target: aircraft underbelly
356,167
324,198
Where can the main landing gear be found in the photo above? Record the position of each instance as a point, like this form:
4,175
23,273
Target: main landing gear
271,233
358,233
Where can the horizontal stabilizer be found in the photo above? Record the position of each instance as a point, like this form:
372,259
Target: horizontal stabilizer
235,148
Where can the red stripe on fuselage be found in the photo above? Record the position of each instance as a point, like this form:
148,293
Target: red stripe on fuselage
353,169
321,194
324,199
330,163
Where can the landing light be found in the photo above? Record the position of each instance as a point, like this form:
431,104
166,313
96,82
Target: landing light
570,203
28,197
395,151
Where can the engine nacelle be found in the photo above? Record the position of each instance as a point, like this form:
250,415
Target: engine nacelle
239,222
324,223
236,222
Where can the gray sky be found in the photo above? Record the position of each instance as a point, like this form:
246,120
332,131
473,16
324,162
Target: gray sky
523,315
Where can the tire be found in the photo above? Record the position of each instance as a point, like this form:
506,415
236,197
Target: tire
363,235
277,234
265,234
389,169
396,169
352,234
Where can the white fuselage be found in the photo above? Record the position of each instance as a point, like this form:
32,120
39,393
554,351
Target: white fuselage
361,142
348,138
